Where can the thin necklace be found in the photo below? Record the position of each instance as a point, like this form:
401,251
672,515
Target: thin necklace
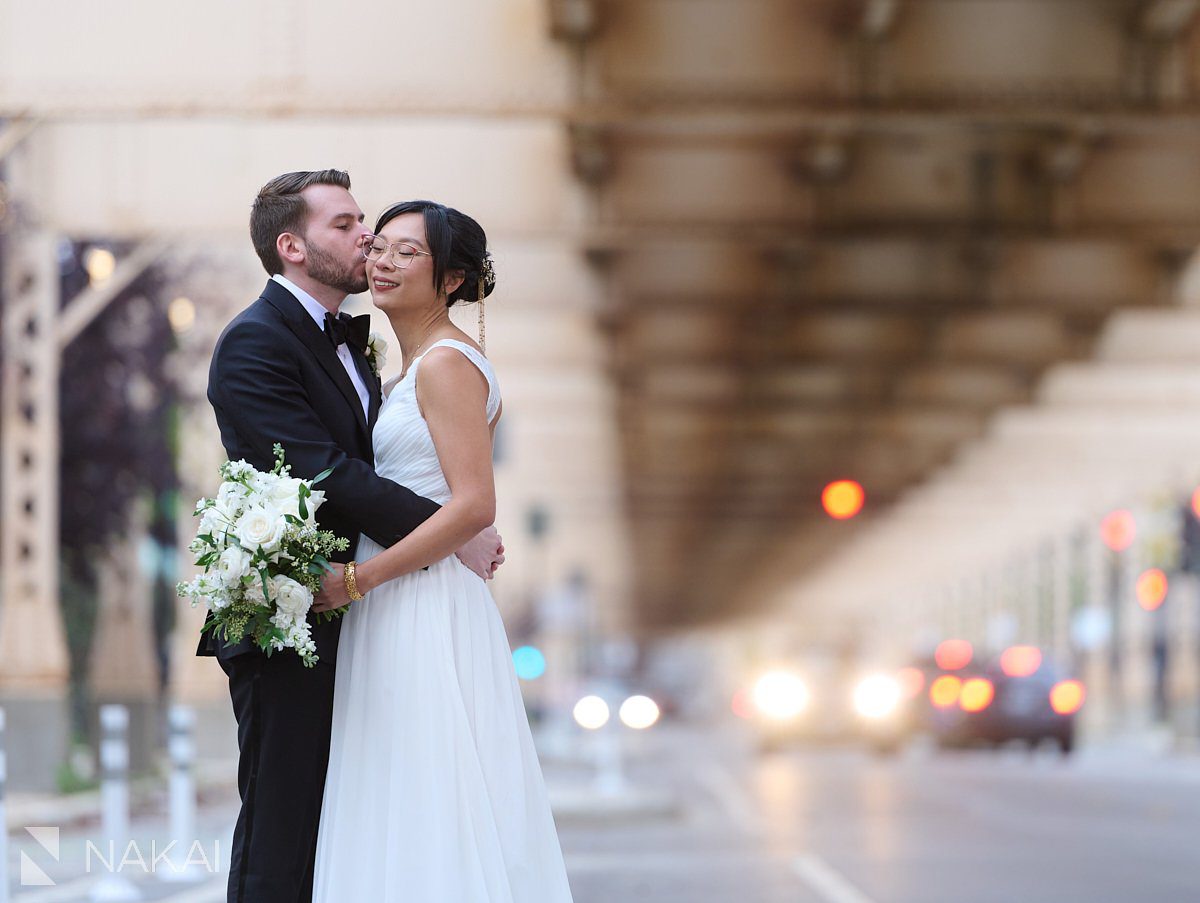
428,333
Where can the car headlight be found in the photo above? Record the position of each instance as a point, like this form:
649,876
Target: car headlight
876,696
780,695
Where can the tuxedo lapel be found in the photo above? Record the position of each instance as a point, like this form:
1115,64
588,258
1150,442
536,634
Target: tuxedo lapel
371,381
306,329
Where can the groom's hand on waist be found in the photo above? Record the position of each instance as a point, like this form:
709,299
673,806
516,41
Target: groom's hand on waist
483,554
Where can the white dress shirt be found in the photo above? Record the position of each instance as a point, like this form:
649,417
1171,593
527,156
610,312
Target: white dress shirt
318,311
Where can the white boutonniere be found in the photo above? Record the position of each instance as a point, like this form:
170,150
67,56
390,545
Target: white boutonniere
376,352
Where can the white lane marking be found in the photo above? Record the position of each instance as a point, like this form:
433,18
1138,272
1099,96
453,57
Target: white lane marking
820,876
212,892
72,890
736,802
670,861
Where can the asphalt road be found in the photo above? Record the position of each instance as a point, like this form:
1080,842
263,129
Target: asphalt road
842,826
829,825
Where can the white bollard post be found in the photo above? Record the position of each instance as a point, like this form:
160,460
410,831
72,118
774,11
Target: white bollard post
182,749
114,803
3,817
610,764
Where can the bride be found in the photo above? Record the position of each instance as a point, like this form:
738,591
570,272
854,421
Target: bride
434,793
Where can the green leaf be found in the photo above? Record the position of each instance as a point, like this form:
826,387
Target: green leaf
324,617
322,475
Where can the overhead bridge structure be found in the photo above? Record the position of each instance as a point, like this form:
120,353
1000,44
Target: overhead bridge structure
746,247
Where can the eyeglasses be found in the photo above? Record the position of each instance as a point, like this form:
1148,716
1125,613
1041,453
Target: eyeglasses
401,253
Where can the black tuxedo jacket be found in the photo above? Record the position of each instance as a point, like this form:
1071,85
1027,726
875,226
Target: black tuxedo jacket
276,377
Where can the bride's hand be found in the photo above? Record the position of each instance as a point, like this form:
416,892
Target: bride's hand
333,590
483,554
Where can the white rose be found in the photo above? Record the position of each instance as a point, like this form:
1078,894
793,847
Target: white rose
291,598
315,500
261,526
284,494
233,565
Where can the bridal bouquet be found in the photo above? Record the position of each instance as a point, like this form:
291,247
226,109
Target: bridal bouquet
263,557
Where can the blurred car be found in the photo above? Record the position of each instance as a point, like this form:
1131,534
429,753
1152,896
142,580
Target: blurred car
891,709
796,704
1021,696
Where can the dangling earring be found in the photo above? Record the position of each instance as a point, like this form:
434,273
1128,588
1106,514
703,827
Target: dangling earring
482,336
487,276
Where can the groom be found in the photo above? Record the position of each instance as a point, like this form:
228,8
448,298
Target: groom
290,369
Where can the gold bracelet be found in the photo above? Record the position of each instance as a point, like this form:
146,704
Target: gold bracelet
351,582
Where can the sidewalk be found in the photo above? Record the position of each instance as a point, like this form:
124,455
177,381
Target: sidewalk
578,795
213,778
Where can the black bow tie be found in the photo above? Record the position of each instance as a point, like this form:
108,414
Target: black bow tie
354,331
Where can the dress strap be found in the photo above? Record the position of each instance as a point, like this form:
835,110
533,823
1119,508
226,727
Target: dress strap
485,367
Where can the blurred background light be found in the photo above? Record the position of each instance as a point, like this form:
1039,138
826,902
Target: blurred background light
976,694
876,696
945,690
1020,661
742,705
843,499
1151,589
1118,530
529,662
100,265
182,314
780,695
951,655
1067,696
591,713
639,712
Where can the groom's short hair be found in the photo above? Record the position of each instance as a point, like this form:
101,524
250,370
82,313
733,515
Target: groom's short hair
279,208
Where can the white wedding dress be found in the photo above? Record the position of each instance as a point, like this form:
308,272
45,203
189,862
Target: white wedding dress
434,793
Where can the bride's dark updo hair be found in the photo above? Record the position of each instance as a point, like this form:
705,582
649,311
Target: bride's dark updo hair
456,241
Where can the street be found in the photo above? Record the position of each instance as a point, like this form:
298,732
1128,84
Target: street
840,825
829,825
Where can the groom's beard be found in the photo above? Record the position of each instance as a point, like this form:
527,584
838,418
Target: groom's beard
328,270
